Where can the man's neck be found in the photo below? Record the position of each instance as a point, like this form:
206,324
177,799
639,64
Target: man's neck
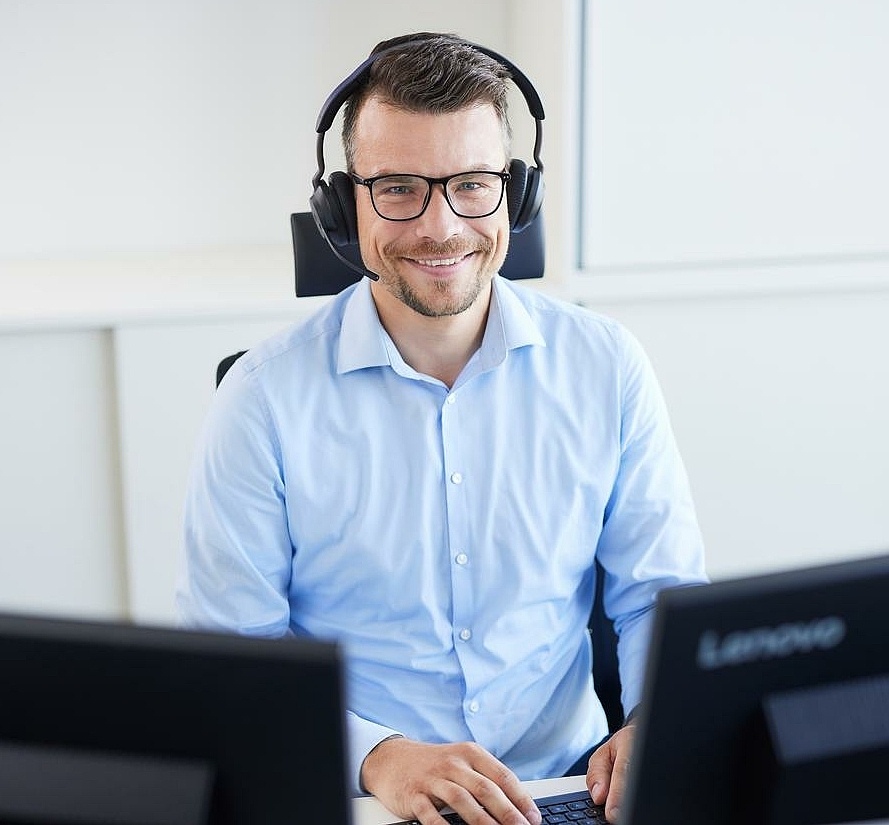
439,347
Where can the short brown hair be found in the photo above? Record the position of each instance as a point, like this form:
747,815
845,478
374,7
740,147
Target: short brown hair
433,74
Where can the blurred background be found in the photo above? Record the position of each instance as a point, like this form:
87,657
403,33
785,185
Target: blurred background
717,180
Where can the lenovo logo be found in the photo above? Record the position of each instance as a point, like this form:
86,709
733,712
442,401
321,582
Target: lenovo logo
745,646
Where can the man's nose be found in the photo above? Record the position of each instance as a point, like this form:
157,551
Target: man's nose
439,221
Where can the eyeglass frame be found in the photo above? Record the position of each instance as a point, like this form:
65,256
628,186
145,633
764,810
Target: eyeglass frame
369,182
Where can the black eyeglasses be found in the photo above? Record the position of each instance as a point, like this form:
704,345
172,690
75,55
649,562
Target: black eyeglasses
405,197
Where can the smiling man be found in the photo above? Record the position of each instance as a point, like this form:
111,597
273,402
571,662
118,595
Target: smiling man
428,468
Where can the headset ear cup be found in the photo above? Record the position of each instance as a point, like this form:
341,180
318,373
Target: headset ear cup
343,191
515,190
333,207
525,196
327,215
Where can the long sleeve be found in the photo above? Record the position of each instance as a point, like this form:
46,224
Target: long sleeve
650,537
236,566
364,736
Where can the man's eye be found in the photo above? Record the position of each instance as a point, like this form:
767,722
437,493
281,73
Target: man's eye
398,190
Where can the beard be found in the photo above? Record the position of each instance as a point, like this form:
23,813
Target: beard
442,296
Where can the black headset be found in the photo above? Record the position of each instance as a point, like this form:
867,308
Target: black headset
333,202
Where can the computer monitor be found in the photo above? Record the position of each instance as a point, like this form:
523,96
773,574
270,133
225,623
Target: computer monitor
767,700
117,724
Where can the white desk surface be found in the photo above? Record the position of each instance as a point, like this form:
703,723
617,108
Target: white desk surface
368,811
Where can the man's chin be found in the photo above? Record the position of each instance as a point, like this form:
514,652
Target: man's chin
440,299
440,307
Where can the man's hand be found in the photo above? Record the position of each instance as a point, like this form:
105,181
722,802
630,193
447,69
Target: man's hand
606,776
414,780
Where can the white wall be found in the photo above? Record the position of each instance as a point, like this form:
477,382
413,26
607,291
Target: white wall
143,126
138,127
152,125
735,132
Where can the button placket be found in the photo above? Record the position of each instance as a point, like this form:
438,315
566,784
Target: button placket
457,520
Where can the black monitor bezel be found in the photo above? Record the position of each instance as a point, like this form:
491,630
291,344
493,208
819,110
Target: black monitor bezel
701,730
266,715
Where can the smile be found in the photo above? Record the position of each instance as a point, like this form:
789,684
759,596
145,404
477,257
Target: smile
440,261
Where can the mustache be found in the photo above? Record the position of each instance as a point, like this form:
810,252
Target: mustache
455,248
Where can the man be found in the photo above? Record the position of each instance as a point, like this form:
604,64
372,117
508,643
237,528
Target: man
428,467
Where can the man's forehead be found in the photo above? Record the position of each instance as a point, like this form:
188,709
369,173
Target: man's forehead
379,119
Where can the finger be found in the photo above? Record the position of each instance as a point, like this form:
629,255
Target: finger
598,775
465,803
618,784
518,808
480,801
426,812
502,793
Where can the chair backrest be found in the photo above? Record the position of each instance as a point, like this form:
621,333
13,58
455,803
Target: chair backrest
606,676
225,364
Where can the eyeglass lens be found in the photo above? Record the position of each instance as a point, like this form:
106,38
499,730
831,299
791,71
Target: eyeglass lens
470,195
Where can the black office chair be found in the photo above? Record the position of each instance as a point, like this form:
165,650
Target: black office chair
225,364
320,272
606,676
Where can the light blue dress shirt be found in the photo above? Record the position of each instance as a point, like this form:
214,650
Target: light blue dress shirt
445,537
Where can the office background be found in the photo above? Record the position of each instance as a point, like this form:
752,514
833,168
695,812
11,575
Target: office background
734,216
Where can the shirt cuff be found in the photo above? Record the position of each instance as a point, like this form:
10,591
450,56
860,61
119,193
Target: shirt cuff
364,736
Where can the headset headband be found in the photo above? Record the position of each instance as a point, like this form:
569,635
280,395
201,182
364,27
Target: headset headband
353,82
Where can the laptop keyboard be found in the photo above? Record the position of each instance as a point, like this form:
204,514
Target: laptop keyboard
575,808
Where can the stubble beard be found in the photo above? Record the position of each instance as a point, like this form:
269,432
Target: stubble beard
442,302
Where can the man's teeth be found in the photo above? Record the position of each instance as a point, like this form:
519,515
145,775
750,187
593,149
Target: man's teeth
440,262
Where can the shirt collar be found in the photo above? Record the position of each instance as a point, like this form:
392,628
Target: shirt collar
362,337
510,326
364,342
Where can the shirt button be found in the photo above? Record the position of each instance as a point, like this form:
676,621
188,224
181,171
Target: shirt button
450,399
465,634
474,706
461,558
457,478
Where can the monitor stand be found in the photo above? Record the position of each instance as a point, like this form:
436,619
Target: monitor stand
65,785
824,754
